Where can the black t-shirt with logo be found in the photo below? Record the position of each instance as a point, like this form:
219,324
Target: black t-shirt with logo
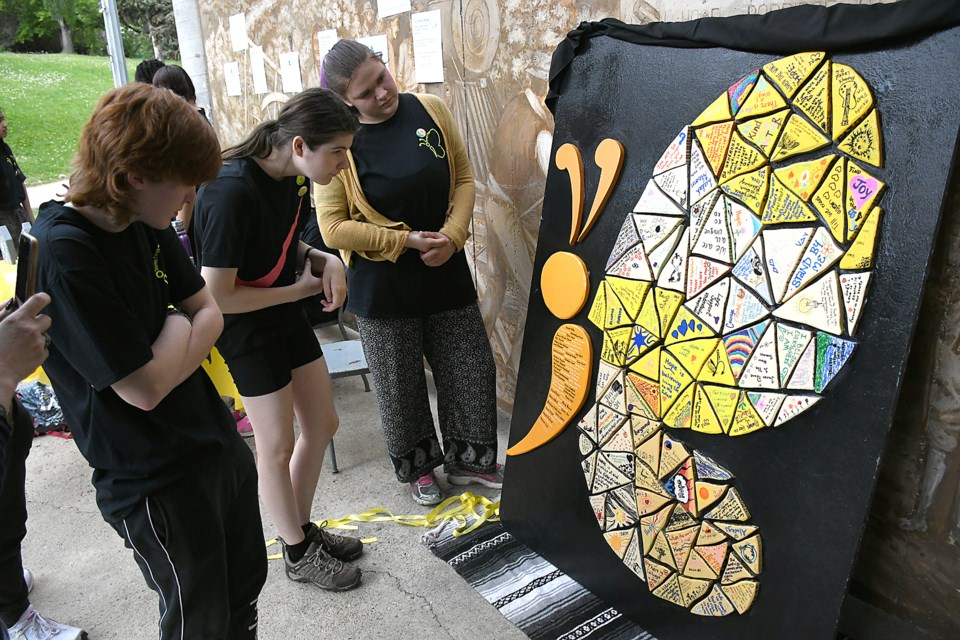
248,221
404,173
109,295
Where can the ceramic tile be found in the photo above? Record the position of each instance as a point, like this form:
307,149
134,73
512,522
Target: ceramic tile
606,476
589,466
692,589
656,573
654,229
648,502
630,293
648,365
854,288
710,303
702,272
763,132
616,314
708,469
782,249
646,478
687,326
828,200
718,110
633,557
704,418
606,373
674,379
794,406
599,504
588,423
648,451
670,591
802,377
814,98
740,344
766,404
750,188
763,99
672,454
742,594
680,415
818,305
680,519
641,342
832,354
713,240
715,555
625,506
681,543
587,446
627,238
615,342
674,184
746,419
568,159
791,72
751,270
743,308
598,310
632,265
661,551
668,302
653,200
791,343
651,526
680,486
731,507
744,227
649,318
623,461
637,406
741,158
865,142
707,494
714,140
821,254
715,604
804,177
693,354
862,192
717,368
750,551
851,99
678,241
761,370
709,534
860,254
673,273
676,153
784,206
735,571
643,429
621,440
724,401
648,391
702,179
608,421
700,213
739,91
698,568
798,137
618,541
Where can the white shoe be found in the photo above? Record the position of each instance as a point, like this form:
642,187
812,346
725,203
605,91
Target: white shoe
33,626
28,579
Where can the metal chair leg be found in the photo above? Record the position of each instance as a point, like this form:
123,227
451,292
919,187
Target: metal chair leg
332,454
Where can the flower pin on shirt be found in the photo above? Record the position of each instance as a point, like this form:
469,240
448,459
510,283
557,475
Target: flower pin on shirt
435,146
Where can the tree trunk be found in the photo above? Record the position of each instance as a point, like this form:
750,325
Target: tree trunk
157,51
66,37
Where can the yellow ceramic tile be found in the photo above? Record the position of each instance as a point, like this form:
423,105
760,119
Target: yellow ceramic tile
750,552
763,132
672,455
693,354
750,188
648,451
641,342
598,310
865,142
791,72
851,98
670,591
692,590
741,158
862,192
618,541
648,502
681,413
724,402
615,343
785,206
667,302
617,314
708,533
630,293
698,568
648,365
687,326
736,531
731,507
803,178
704,419
860,254
714,140
742,594
763,99
648,318
652,525
661,551
735,571
707,494
718,110
715,555
746,419
814,99
674,379
656,573
717,368
648,391
681,543
798,137
715,604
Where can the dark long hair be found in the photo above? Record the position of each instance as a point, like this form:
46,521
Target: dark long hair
340,63
316,115
177,80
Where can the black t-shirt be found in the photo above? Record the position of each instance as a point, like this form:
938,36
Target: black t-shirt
404,173
12,192
247,220
109,295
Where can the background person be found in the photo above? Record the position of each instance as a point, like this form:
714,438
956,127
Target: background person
15,206
409,186
146,69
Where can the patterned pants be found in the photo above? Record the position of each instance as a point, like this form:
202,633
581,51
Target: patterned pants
455,344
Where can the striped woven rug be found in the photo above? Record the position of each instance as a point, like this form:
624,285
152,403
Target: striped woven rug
538,598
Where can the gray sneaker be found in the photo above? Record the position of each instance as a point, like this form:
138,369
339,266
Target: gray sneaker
340,547
33,626
426,490
320,568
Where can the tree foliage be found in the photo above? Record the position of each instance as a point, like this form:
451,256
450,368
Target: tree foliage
37,20
153,19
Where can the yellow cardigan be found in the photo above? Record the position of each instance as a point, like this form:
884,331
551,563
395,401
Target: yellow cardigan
349,223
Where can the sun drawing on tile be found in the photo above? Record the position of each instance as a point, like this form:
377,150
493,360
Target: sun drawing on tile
731,301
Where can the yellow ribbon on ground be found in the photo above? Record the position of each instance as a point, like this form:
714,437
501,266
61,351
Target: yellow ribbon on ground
456,509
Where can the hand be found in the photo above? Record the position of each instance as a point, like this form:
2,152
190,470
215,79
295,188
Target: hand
334,281
308,283
438,255
23,340
422,240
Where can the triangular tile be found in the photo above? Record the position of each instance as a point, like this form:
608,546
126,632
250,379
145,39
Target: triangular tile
751,270
763,99
750,551
731,507
791,72
707,494
674,379
854,288
661,551
674,184
645,478
654,229
704,418
798,137
817,305
724,401
865,142
607,476
782,249
814,99
668,261
588,423
621,440
744,227
681,543
791,343
680,486
736,530
851,99
656,573
653,200
692,589
630,293
676,153
741,158
764,132
670,591
649,318
708,469
821,254
739,91
740,344
714,140
693,354
680,415
803,178
626,239
702,272
750,188
699,569
632,265
832,355
680,519
700,211
606,373
803,372
648,451
718,110
735,571
746,419
742,594
828,200
618,541
598,503
784,206
862,191
589,466
860,253
624,500
702,178
587,446
643,429
743,308
641,342
708,533
761,371
608,422
652,525
647,390
598,310
672,455
717,369
687,326
766,404
714,554
633,557
793,406
668,302
648,502
710,303
615,343
716,604
648,364
714,240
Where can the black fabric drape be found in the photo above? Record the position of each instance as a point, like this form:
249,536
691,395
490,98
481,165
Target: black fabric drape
842,27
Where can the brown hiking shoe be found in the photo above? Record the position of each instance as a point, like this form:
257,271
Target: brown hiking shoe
340,547
320,568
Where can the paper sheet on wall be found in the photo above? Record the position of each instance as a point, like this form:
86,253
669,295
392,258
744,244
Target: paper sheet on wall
238,31
257,71
386,8
290,72
379,45
427,46
231,75
325,41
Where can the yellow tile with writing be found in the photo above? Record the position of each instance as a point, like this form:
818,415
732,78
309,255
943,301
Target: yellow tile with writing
791,72
704,419
718,110
851,99
724,401
667,302
618,540
692,589
865,142
742,594
615,343
785,206
707,494
746,419
717,369
693,354
648,365
803,178
630,293
741,158
750,188
798,137
828,200
714,140
860,254
674,380
814,99
648,317
687,326
681,413
670,591
763,99
598,310
764,131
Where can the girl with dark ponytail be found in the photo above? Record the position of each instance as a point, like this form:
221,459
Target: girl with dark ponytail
247,224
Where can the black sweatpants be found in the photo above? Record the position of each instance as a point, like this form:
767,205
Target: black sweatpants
199,544
13,518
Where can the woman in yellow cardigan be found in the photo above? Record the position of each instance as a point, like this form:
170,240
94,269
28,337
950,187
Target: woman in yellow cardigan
400,215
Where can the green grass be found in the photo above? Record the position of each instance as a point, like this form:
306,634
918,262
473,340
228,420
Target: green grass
46,99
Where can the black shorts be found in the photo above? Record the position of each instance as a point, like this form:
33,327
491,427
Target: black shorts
268,368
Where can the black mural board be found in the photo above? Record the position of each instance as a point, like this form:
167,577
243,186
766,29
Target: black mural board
807,484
